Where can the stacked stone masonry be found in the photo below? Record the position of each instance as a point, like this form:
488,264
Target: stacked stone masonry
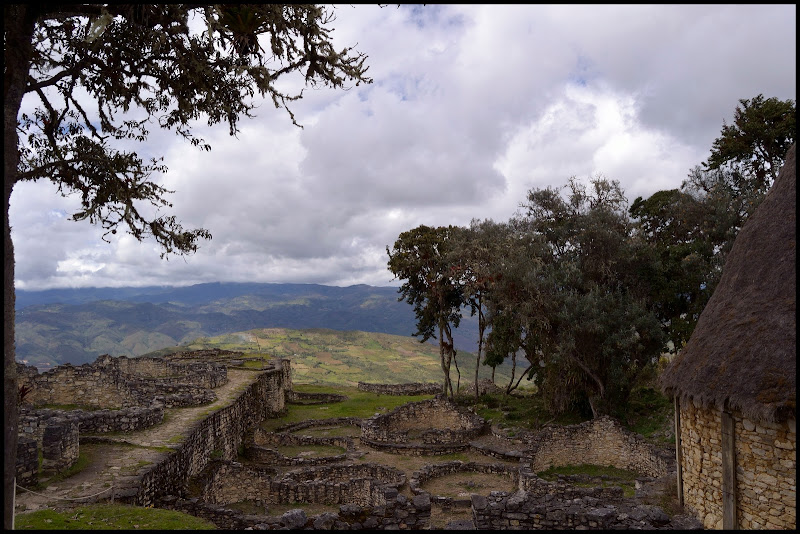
372,498
116,383
414,388
601,441
219,436
434,426
766,472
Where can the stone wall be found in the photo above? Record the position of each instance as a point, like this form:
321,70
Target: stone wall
345,483
27,462
220,435
582,510
204,374
55,435
432,471
766,473
601,441
259,447
399,513
414,388
122,382
297,397
433,426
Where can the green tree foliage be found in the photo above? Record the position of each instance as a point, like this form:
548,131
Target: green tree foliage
602,335
421,257
474,253
691,230
519,303
757,141
98,77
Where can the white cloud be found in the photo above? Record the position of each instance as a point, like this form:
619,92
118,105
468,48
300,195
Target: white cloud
471,106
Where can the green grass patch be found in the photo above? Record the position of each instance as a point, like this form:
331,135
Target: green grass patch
110,517
519,410
359,404
83,461
603,476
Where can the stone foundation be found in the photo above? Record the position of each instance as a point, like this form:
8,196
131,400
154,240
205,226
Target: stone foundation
435,426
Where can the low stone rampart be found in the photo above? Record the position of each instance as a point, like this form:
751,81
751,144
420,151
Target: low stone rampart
260,447
263,437
414,388
208,375
221,434
297,397
344,483
399,513
568,508
310,423
122,382
601,441
95,421
434,426
432,471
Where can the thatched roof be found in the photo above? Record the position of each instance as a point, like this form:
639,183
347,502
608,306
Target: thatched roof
742,354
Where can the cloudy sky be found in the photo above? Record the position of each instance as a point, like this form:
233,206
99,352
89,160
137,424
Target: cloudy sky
471,107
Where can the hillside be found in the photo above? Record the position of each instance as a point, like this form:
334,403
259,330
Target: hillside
344,358
75,326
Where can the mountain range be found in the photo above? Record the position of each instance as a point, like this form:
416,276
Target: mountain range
59,326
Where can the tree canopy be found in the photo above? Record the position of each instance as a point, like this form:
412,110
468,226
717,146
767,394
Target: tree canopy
95,79
421,257
692,229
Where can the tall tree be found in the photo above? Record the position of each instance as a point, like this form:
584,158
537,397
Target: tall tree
98,76
757,141
691,230
519,301
603,334
475,251
421,257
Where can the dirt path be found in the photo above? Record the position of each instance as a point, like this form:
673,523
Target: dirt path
115,463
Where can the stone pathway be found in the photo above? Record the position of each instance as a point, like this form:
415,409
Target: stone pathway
117,462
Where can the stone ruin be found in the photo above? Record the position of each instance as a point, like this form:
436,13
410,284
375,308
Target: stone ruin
369,496
435,426
115,394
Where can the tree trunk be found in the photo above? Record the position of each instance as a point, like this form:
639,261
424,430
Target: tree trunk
18,25
513,371
481,330
444,357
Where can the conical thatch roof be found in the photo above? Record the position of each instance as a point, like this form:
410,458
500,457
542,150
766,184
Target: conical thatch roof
743,352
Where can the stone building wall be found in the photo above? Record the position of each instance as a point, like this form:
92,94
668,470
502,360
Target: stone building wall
347,483
55,435
220,436
27,462
601,441
432,422
122,382
204,374
399,513
766,473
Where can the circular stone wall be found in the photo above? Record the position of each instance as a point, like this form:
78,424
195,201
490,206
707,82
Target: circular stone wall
434,426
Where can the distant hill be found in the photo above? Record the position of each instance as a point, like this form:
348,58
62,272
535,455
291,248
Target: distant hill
75,326
343,358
